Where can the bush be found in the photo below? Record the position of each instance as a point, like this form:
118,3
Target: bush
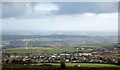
63,65
119,62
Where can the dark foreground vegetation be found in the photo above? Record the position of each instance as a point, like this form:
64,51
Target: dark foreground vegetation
58,67
67,68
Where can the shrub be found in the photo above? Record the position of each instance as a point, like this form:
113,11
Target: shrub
63,65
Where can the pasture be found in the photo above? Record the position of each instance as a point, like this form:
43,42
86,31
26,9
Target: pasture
49,50
38,50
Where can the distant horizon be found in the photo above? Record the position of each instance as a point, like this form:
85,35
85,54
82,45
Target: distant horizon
37,32
61,30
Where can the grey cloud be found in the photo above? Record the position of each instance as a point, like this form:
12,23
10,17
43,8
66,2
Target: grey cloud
13,9
18,9
84,7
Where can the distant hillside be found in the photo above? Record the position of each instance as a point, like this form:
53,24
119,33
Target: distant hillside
57,40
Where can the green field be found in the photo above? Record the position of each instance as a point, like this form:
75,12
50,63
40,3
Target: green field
39,50
82,64
42,50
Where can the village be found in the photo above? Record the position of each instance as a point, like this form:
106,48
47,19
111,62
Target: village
101,55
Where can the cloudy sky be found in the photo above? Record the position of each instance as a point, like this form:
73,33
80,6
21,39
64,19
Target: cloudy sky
60,16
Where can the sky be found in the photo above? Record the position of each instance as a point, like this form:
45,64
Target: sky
60,16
